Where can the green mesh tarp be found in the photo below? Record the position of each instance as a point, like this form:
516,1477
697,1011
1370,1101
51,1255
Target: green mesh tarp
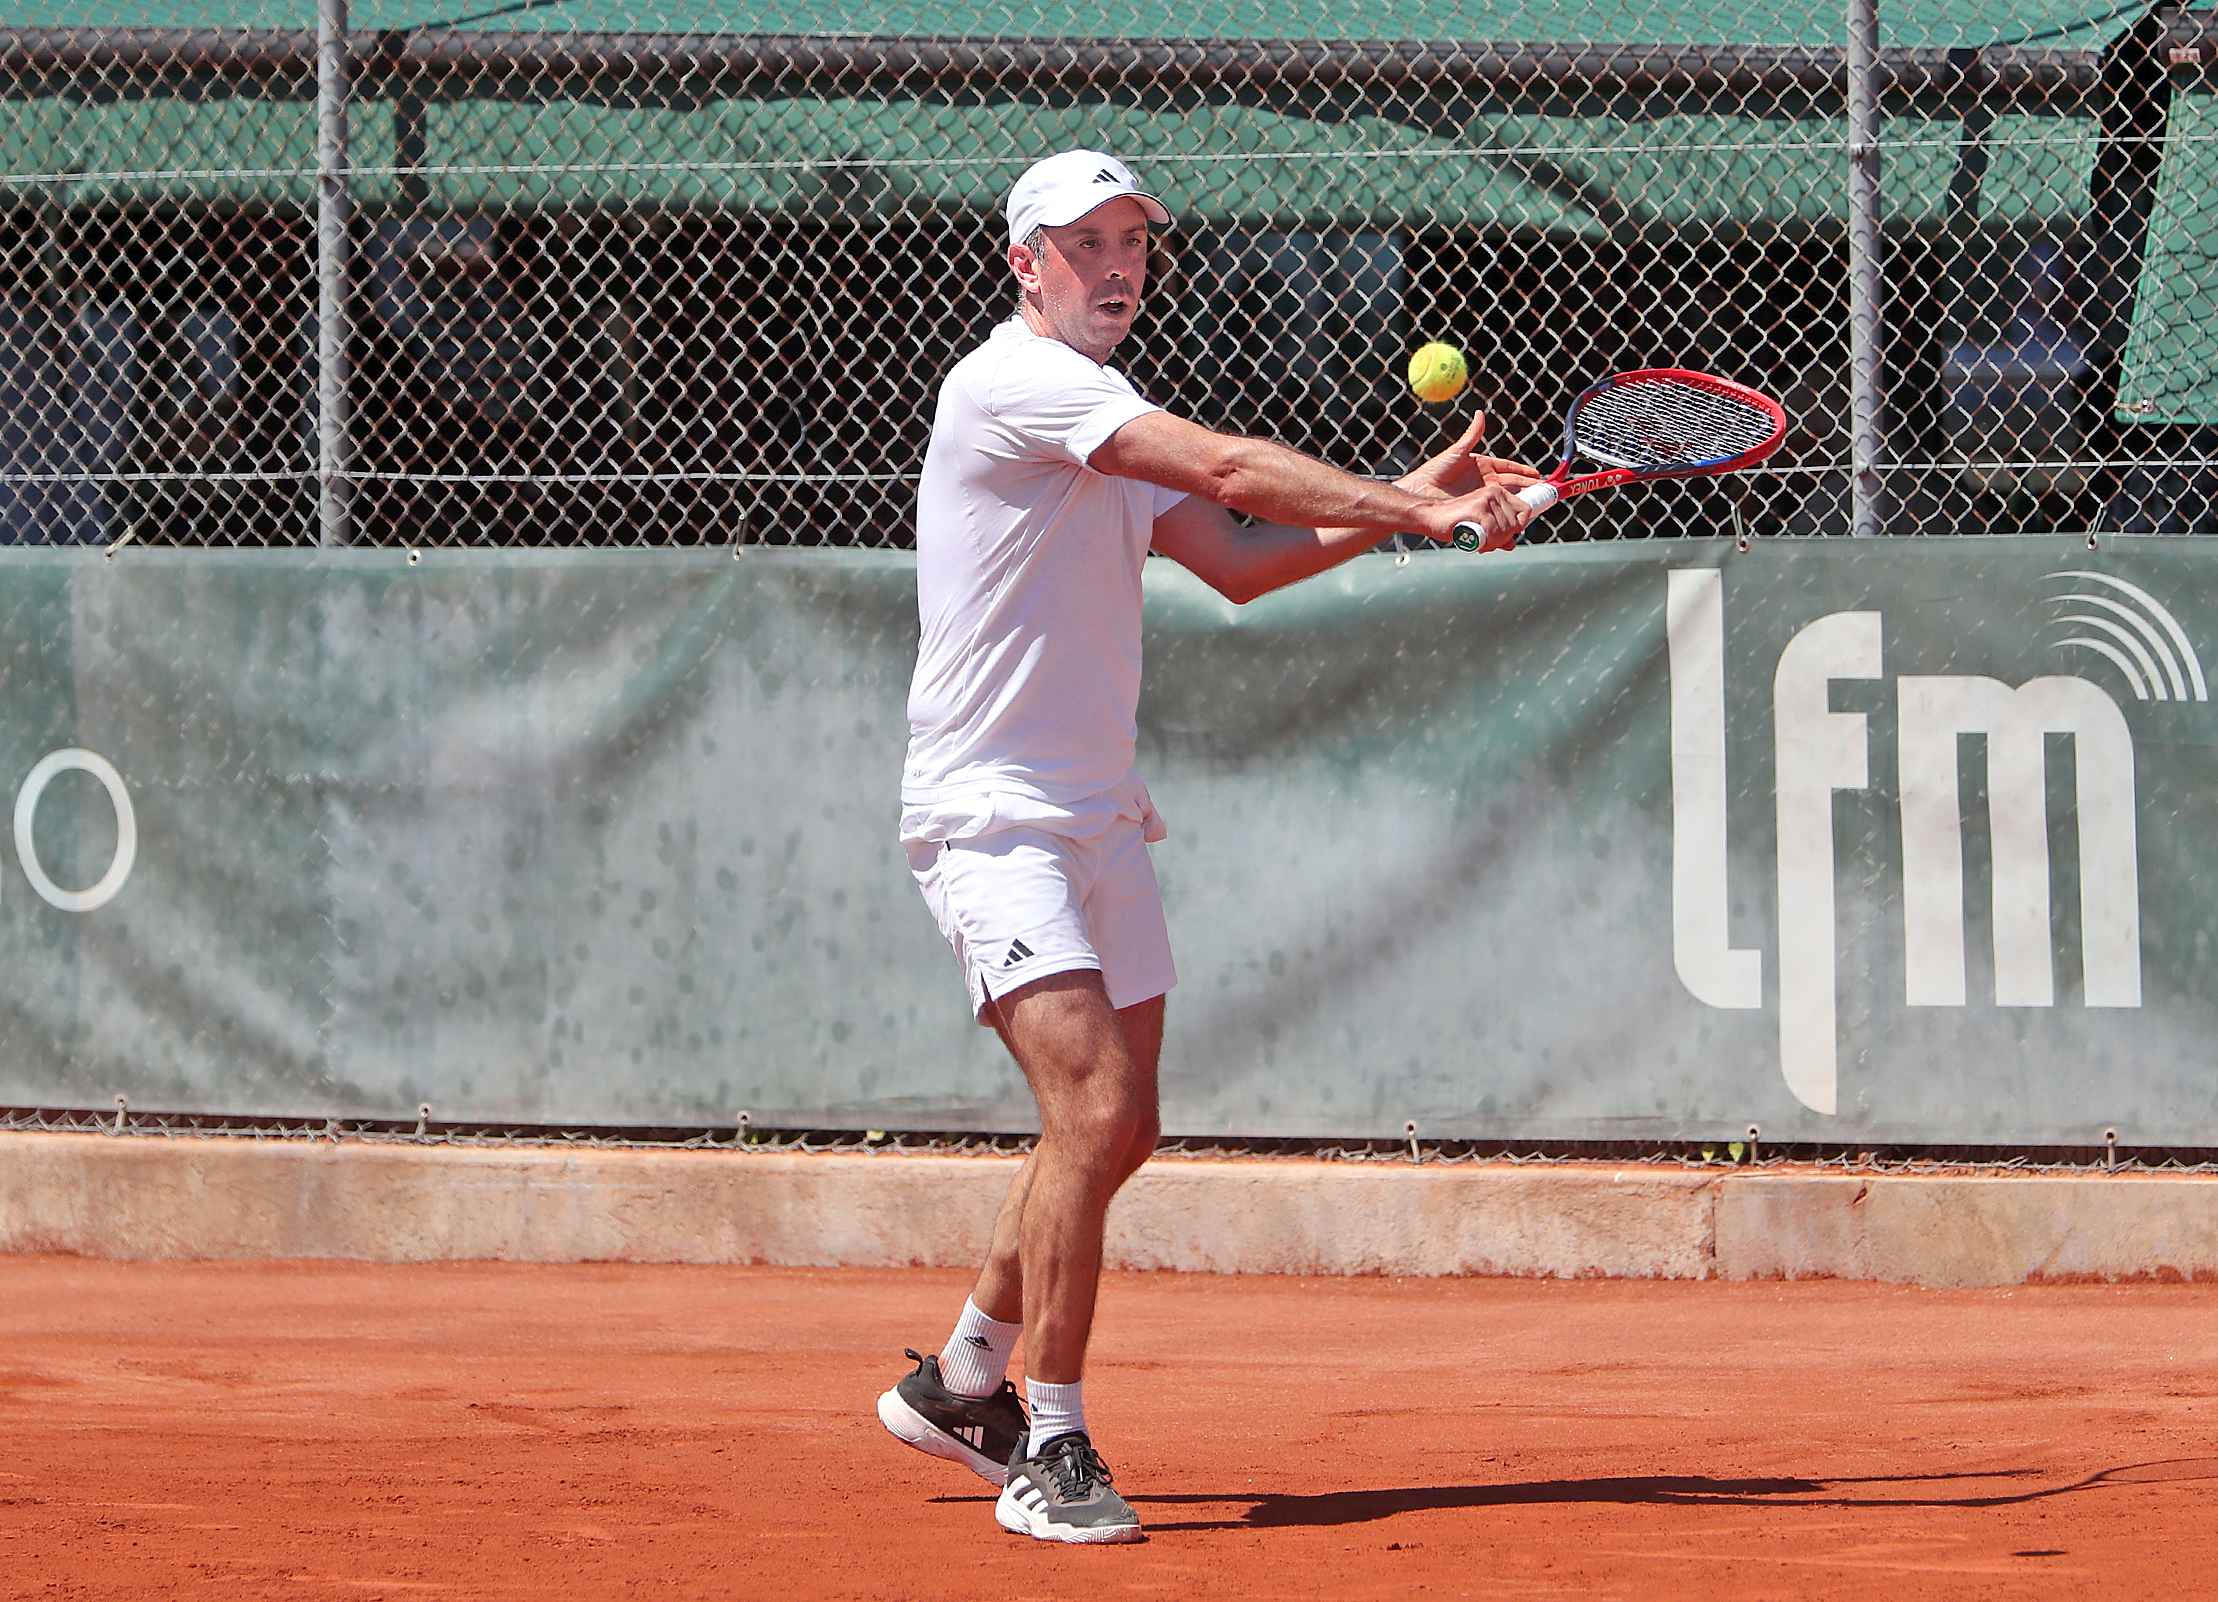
2171,356
1642,158
1951,23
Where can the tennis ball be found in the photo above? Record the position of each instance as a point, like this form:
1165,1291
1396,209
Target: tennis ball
1437,372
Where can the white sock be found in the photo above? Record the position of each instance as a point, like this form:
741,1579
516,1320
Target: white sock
975,1359
1057,1410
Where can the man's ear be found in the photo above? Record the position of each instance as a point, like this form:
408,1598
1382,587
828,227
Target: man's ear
1025,267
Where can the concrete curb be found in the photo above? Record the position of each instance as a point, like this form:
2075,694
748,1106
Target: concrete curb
144,1198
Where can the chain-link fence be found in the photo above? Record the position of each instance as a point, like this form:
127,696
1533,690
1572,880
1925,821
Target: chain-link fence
626,272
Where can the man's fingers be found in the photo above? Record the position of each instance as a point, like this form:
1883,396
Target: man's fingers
1505,500
1512,514
1464,453
1496,511
1500,470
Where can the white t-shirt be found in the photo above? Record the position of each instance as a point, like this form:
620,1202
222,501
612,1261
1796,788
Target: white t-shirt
1024,705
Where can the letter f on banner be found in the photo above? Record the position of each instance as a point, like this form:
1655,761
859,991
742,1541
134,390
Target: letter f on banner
1818,751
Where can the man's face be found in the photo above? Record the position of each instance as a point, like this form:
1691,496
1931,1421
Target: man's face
1085,282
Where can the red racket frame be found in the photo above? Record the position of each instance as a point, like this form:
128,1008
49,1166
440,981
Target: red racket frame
1559,484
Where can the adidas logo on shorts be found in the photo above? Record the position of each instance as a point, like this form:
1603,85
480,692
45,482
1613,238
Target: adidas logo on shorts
1018,951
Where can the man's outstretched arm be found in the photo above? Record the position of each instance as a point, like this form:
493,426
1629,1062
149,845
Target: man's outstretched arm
1314,515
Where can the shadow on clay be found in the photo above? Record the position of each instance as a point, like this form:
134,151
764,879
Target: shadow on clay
1271,1510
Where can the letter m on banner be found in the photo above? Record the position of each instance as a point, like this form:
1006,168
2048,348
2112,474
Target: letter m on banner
1934,714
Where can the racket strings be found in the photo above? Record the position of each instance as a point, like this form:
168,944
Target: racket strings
1659,423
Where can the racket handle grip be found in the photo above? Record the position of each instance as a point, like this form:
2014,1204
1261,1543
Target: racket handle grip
1541,496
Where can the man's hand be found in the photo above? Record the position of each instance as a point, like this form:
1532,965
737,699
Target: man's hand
1494,507
1463,486
1460,469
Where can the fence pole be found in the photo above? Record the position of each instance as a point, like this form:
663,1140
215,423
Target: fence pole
333,222
1866,441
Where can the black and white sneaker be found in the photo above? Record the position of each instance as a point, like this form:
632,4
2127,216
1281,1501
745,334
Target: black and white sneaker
1064,1495
979,1432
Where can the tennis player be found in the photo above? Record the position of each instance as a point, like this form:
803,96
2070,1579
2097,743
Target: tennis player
1047,481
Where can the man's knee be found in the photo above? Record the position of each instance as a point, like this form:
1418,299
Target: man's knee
1107,1124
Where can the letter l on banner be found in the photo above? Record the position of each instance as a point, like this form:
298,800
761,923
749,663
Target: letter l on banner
1701,949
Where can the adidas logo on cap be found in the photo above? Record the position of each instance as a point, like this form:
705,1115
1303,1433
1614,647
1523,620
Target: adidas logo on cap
1062,188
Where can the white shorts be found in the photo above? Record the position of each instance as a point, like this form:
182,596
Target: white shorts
1022,903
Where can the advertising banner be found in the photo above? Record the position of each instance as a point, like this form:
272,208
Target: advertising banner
1889,841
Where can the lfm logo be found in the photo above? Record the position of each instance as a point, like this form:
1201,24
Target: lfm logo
1819,751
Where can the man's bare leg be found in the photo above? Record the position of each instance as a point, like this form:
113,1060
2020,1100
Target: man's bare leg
1093,1072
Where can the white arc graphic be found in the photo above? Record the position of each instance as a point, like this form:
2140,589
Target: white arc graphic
2137,635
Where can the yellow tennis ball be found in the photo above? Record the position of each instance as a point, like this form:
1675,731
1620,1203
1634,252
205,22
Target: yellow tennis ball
1437,372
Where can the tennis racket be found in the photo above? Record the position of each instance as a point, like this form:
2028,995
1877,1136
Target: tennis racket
1658,422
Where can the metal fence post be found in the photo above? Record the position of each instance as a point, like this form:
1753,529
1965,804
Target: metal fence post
1866,439
333,222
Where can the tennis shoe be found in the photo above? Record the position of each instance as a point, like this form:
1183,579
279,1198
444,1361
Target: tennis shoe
979,1432
1064,1495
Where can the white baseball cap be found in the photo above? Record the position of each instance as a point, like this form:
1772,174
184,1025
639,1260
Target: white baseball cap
1061,189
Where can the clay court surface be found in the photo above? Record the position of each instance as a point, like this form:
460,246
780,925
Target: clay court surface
334,1430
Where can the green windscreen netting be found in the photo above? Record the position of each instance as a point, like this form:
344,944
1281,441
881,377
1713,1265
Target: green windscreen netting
2171,358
